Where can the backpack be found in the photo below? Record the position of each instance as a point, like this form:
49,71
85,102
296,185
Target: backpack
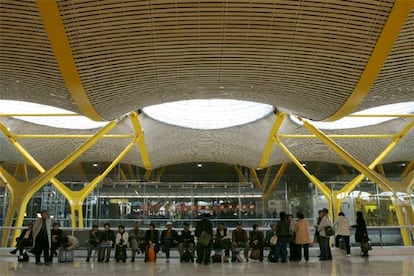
216,258
187,256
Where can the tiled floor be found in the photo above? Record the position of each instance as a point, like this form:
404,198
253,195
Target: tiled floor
382,261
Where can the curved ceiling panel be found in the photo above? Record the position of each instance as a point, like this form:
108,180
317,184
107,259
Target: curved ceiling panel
290,54
395,82
242,145
28,69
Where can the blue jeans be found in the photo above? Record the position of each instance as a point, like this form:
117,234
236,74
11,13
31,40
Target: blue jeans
281,248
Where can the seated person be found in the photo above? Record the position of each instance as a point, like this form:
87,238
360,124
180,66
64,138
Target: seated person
107,238
57,235
93,241
121,241
257,240
169,239
239,239
136,240
70,242
222,239
151,240
271,238
24,240
186,242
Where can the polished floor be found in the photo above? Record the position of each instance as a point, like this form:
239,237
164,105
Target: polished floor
382,261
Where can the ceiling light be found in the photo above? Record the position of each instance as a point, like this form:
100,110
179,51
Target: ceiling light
208,114
199,165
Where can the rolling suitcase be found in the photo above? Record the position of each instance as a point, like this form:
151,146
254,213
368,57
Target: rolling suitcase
120,253
65,256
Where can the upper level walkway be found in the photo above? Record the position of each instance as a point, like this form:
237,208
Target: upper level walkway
382,261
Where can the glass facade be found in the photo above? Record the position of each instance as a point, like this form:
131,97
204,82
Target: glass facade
124,202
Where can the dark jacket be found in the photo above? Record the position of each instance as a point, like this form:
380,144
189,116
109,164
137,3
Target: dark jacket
152,236
30,238
187,236
57,236
282,228
204,225
174,236
239,236
108,236
94,238
256,235
361,230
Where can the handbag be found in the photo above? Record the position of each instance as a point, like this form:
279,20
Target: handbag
151,254
273,240
365,245
329,231
255,254
204,238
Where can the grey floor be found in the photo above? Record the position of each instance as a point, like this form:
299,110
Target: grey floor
382,261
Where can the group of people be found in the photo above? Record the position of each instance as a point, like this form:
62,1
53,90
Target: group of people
139,241
43,238
287,233
341,230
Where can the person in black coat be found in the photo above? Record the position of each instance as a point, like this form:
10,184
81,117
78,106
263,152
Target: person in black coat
222,239
169,239
257,240
204,251
152,237
57,235
24,240
186,241
107,242
361,233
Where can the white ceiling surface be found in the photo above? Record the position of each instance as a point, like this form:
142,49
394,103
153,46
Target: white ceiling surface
242,145
305,57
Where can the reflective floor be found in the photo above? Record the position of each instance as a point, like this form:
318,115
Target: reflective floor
382,261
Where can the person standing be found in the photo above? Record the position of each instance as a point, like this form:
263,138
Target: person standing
302,237
42,237
341,226
323,237
361,233
282,231
204,228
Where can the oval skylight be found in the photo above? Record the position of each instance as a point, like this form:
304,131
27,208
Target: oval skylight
70,122
354,122
208,114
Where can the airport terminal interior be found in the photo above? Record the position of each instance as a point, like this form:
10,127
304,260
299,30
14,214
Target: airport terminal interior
163,111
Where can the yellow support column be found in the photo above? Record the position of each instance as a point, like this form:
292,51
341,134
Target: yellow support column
397,138
371,174
270,141
405,234
275,183
141,140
